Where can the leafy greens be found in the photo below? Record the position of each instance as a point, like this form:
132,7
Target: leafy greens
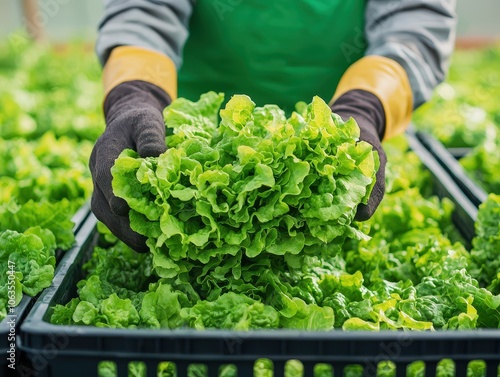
402,269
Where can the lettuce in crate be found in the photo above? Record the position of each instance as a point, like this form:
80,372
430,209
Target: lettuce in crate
255,185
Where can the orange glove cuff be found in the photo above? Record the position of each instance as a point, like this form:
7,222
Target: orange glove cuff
386,79
129,63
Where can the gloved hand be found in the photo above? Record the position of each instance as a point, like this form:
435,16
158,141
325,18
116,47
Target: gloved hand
369,113
134,119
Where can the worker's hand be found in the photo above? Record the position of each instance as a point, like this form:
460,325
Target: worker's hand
369,113
133,112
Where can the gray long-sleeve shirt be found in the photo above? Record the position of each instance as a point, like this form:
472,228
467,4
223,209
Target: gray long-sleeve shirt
418,34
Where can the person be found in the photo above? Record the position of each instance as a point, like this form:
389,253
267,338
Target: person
376,60
33,21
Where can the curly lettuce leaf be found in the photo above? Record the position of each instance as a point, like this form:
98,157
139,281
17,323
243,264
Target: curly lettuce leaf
55,217
483,165
32,257
259,183
231,311
486,245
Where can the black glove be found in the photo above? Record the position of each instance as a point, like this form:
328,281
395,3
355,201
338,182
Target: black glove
134,119
369,113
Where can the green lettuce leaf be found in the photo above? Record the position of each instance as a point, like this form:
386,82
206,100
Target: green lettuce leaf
231,311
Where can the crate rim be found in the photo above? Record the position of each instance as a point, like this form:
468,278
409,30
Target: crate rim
20,312
444,157
284,334
437,169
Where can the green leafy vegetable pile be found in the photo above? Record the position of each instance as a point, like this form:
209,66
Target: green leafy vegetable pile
30,233
32,252
255,187
464,113
44,89
486,251
483,165
43,182
403,269
50,113
48,168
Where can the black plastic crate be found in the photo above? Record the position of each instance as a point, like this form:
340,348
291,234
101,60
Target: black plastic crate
60,351
448,159
458,153
444,185
80,216
9,331
11,324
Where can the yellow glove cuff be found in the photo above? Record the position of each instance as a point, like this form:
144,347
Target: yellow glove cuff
386,79
128,63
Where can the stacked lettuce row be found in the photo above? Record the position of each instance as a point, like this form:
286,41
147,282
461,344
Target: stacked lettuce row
50,114
464,113
227,209
235,243
49,89
483,165
259,189
485,255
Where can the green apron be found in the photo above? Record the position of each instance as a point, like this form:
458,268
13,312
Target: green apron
275,51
